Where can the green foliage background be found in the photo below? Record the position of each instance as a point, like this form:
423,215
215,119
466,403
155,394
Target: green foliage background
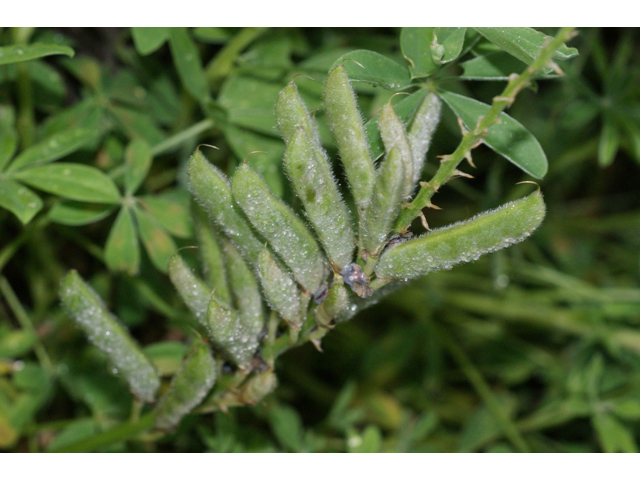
534,348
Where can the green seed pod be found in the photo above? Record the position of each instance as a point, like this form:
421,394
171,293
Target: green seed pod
421,131
284,231
310,174
245,290
212,258
188,387
279,289
337,301
193,291
229,334
346,124
211,189
386,202
105,332
394,135
463,241
258,387
292,113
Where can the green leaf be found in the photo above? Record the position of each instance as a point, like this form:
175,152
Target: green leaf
157,242
250,103
16,343
171,209
149,39
287,427
415,43
614,437
76,431
23,53
452,40
609,142
187,61
122,251
495,66
19,200
375,69
73,181
59,144
8,140
369,442
136,124
508,138
137,158
107,333
523,43
75,214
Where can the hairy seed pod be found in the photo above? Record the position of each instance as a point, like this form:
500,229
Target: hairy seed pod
277,223
337,301
210,188
258,387
188,387
346,124
463,241
386,202
394,135
211,256
292,113
194,292
109,335
310,174
279,289
421,131
229,334
245,290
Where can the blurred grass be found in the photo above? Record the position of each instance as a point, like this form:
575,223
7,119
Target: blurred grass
535,348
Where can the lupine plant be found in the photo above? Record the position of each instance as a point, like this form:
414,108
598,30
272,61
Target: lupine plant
317,269
298,206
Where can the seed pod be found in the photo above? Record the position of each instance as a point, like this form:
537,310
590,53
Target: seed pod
229,335
245,291
421,131
463,241
284,231
336,302
210,188
394,135
258,387
193,291
310,174
188,387
292,113
105,332
279,289
386,202
211,256
346,124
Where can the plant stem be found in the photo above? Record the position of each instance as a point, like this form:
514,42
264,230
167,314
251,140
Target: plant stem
474,137
221,65
182,136
124,431
25,323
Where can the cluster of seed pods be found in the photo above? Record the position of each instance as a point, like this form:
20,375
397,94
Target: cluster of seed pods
311,269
